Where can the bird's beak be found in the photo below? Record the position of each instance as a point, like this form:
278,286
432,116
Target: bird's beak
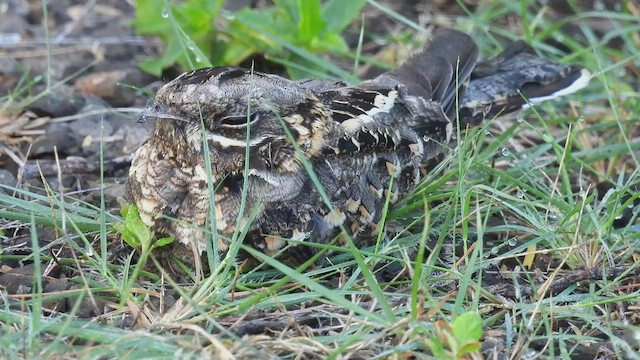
142,118
158,111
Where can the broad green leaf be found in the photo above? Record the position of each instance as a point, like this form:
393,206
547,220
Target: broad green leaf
236,52
124,210
311,23
469,348
467,328
340,13
149,18
153,66
127,236
193,20
289,8
255,38
330,42
141,231
175,53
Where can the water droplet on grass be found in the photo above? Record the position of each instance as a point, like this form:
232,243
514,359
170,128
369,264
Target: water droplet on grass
598,5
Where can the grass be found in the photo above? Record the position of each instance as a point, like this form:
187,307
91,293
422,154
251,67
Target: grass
517,199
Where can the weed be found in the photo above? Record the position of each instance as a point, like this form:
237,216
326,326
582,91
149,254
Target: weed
201,33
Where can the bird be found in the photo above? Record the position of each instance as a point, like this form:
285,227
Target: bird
296,163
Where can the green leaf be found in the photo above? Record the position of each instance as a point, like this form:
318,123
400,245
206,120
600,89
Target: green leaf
163,242
153,66
141,231
263,22
289,8
235,52
469,348
131,240
193,20
175,53
130,212
436,346
127,236
311,23
340,13
330,42
149,18
467,328
134,231
124,210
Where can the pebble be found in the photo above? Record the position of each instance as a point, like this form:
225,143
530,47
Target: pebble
114,86
9,75
58,136
7,178
60,101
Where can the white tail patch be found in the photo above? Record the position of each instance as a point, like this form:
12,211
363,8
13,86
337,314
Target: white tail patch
580,83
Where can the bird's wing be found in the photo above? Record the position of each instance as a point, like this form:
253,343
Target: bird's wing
408,106
441,70
319,86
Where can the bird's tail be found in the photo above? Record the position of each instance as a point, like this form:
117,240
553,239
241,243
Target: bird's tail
515,79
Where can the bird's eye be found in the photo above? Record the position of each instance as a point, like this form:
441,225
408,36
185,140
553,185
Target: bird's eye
237,121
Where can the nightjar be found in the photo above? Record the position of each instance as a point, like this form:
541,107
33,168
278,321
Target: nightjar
364,142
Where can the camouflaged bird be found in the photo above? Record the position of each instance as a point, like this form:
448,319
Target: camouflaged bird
356,138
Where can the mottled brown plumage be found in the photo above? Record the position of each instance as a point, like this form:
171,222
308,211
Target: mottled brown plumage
356,138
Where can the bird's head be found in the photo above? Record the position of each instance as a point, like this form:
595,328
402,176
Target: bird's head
237,109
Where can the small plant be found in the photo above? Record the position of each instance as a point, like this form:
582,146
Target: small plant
199,33
458,340
136,234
